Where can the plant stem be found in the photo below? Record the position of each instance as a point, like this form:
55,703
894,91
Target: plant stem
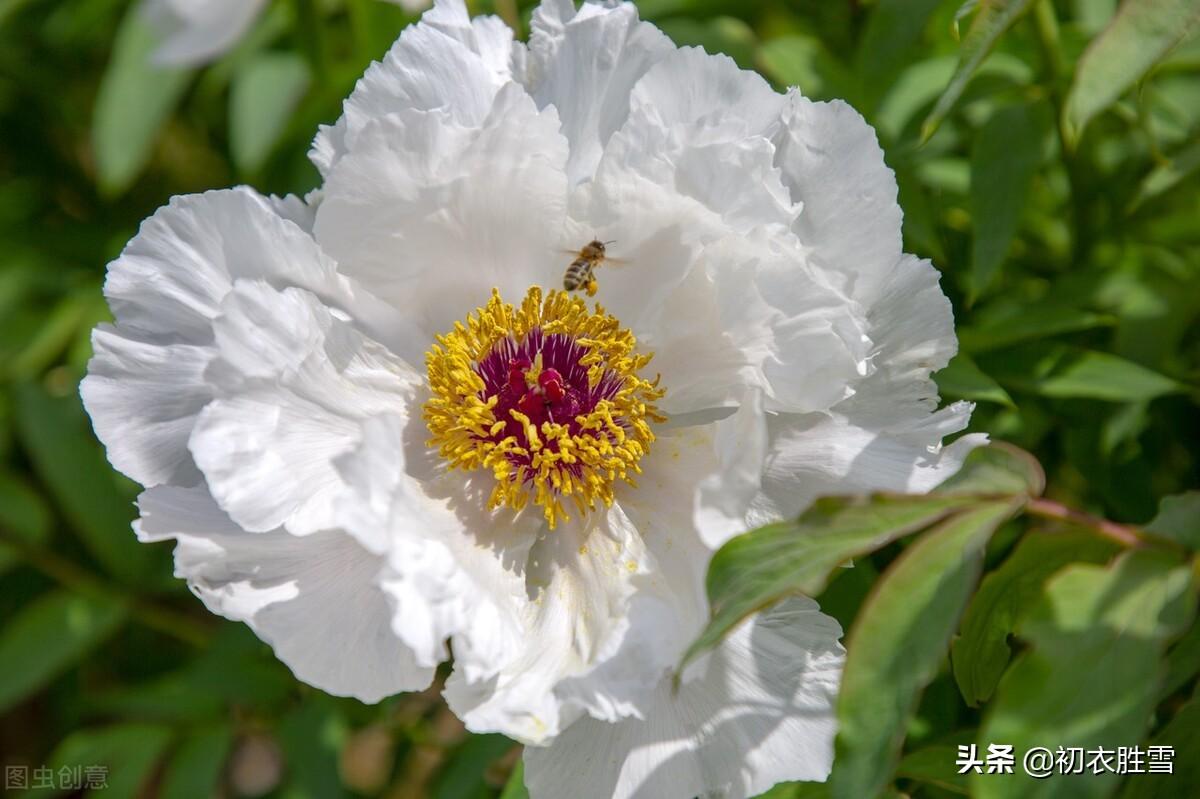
308,27
72,576
1124,535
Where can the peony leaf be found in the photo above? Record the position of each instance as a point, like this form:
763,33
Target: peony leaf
989,24
1179,519
1166,176
515,787
55,433
1092,676
755,570
963,379
1141,33
1184,779
981,652
934,765
127,752
1183,662
23,516
463,774
898,641
1068,372
47,636
266,89
893,30
135,99
1006,155
196,766
1021,322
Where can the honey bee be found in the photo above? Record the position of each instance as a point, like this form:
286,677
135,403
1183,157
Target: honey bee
581,274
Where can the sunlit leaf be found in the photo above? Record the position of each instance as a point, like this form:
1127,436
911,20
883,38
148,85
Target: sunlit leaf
805,62
48,636
1006,155
755,570
1140,34
1091,676
981,652
265,91
136,98
898,640
963,379
1179,519
728,35
515,787
893,30
987,26
1069,372
1021,323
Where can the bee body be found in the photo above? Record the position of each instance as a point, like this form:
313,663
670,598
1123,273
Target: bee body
581,273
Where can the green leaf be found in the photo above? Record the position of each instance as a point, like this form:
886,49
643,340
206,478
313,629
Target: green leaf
728,35
126,752
963,379
1006,155
134,101
463,775
312,737
934,765
56,435
48,636
1183,662
265,91
893,30
1092,675
1140,34
1068,372
803,61
515,787
195,768
757,569
989,24
1166,176
1184,779
1179,519
981,652
23,515
899,640
1015,323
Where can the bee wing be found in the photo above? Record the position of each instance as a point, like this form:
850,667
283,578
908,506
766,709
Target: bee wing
616,261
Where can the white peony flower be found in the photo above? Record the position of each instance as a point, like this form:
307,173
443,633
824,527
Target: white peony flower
378,432
197,31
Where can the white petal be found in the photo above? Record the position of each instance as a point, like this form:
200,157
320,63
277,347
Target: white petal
430,214
833,165
580,578
196,31
145,383
295,384
815,455
315,599
585,64
447,61
455,569
762,713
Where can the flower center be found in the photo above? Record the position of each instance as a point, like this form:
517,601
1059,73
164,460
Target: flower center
547,396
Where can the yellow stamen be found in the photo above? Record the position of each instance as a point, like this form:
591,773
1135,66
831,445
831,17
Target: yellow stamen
547,462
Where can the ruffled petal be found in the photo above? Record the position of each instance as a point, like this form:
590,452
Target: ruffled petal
145,383
762,713
295,382
580,578
832,164
585,63
431,214
316,600
455,570
446,62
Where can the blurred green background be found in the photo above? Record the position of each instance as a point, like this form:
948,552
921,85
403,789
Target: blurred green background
1071,254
